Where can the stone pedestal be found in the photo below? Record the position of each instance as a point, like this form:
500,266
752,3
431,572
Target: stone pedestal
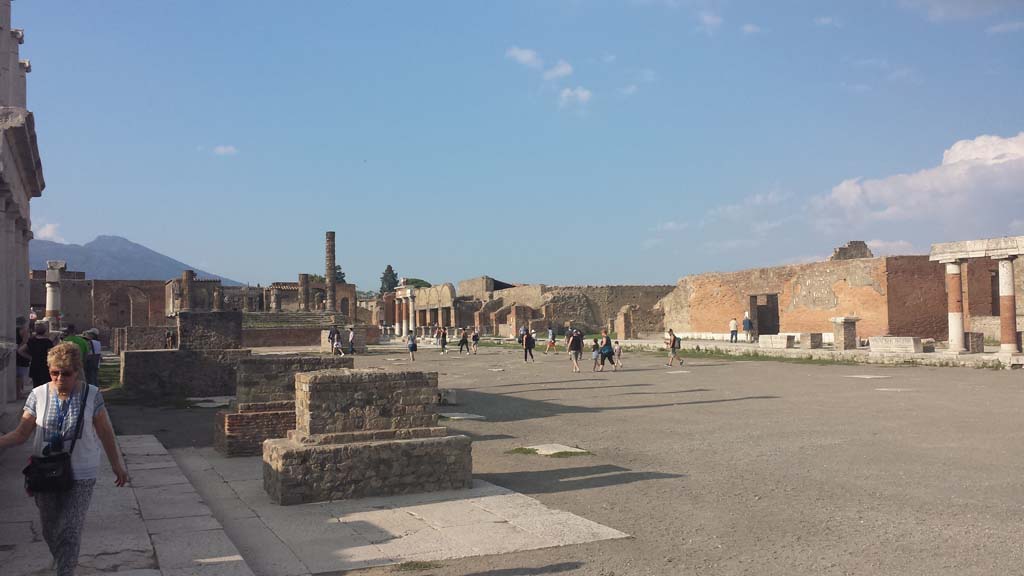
780,341
895,345
54,271
974,341
811,340
844,330
364,433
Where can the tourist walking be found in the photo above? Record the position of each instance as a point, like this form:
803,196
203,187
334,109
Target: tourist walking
575,347
528,343
607,351
92,361
551,341
594,354
673,343
351,340
748,326
733,330
476,340
411,339
463,340
333,336
444,340
23,356
66,416
618,354
38,347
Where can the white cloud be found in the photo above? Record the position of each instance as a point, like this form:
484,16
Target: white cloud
671,226
609,58
976,191
709,21
47,232
748,206
891,247
628,90
647,75
225,150
524,56
652,243
856,87
578,95
559,70
750,28
1006,27
827,21
950,9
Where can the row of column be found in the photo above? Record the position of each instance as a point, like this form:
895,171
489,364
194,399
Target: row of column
14,289
405,315
1007,306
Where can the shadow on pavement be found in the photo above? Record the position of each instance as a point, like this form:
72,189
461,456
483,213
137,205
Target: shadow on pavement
549,569
568,479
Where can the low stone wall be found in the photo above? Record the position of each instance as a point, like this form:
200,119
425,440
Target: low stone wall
242,433
364,433
895,345
210,330
989,325
157,376
272,378
778,341
147,337
270,337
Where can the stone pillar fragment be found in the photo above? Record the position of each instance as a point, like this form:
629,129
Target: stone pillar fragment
186,290
955,306
844,332
218,299
54,271
412,313
275,300
303,292
329,279
1007,308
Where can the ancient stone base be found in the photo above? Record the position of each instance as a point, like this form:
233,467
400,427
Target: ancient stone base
779,341
974,341
811,340
242,433
297,473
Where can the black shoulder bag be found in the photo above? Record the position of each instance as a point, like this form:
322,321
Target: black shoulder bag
53,473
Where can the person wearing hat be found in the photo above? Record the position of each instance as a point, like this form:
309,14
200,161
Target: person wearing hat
92,359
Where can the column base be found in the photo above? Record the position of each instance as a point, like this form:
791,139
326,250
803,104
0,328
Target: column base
1008,349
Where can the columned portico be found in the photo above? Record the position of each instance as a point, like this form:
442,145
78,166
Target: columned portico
1007,307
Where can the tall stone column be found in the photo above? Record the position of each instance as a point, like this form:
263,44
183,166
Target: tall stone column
8,382
22,272
1007,307
186,290
329,279
275,300
395,315
218,298
955,307
303,292
54,269
403,310
412,313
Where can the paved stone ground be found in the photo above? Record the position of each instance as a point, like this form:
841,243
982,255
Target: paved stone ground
327,537
158,526
738,467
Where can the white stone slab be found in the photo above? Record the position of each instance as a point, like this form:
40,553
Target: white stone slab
549,449
462,416
776,341
895,345
678,372
867,376
894,389
495,369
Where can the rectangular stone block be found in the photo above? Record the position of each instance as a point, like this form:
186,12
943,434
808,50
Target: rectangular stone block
161,375
810,340
272,378
777,341
974,341
294,473
844,332
332,401
895,345
210,330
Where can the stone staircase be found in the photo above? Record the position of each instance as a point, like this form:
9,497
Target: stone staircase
292,319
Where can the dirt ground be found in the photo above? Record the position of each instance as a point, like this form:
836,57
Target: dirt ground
732,467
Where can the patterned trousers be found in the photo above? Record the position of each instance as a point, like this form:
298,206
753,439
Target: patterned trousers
62,515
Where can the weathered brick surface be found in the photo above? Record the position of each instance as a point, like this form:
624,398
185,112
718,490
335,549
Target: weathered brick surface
161,375
210,330
270,378
146,337
916,298
364,433
242,433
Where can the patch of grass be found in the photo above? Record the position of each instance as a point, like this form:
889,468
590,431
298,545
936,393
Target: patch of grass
570,454
416,565
521,451
109,375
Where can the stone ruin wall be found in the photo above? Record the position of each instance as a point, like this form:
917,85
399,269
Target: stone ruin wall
106,304
809,294
916,298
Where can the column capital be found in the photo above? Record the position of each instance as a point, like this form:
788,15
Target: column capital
956,261
1010,257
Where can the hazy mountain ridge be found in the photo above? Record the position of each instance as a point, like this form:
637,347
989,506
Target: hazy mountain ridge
113,258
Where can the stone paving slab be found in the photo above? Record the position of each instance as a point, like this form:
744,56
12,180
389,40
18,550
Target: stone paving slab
328,537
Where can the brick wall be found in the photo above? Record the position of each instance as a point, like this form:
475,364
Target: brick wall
242,433
333,401
916,298
269,337
209,330
272,378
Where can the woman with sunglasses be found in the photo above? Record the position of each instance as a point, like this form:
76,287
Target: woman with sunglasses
53,411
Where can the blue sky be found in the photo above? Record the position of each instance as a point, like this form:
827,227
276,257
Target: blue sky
564,142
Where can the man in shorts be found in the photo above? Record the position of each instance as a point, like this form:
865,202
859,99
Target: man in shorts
673,342
575,349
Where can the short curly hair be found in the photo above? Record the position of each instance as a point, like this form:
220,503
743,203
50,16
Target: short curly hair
65,356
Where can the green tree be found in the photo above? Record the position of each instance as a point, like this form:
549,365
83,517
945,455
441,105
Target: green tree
339,276
388,280
417,283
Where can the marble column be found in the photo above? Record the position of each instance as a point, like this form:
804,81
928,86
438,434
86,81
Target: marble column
412,314
303,292
1007,307
403,316
54,270
186,290
955,307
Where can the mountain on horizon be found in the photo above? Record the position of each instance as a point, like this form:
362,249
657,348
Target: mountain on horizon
113,258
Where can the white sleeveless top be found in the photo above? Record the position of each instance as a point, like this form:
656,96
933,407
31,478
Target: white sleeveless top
85,459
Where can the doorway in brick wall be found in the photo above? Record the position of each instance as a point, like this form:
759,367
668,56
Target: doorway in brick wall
764,313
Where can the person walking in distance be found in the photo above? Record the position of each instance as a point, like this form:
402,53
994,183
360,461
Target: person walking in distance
444,340
607,351
411,339
476,340
67,416
351,340
618,354
528,343
551,341
733,326
748,327
463,340
594,354
673,343
575,347
38,348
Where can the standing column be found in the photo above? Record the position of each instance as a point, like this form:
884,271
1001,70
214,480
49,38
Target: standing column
303,292
329,277
403,314
218,298
412,313
1007,308
396,315
8,381
955,307
54,268
22,299
186,290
